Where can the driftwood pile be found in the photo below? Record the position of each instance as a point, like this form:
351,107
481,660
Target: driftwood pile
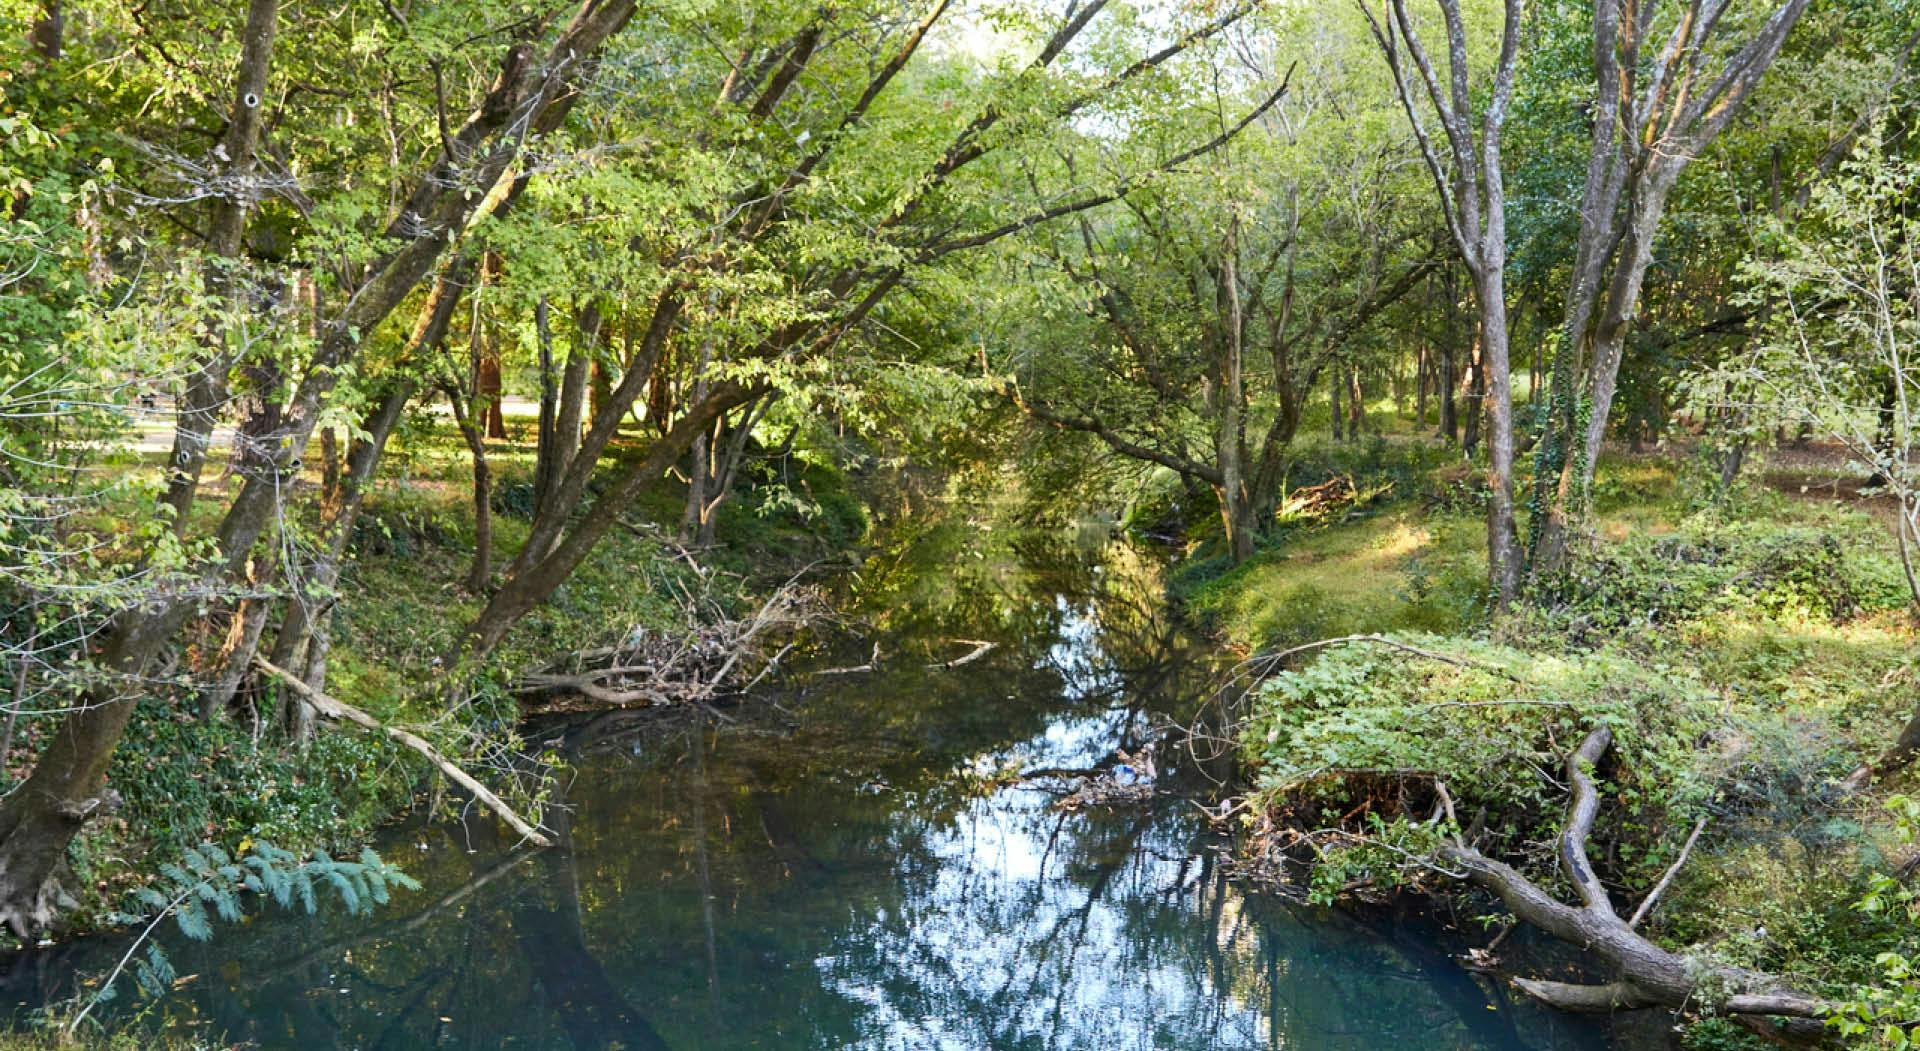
709,657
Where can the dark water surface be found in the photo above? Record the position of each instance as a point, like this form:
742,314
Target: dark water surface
837,870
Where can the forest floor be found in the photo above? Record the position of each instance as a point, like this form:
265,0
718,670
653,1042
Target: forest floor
1751,650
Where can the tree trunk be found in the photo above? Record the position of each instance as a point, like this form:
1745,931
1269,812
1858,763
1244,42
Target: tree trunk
573,390
50,29
243,639
1357,421
307,620
699,467
1420,368
1476,389
38,820
205,393
550,519
725,449
1335,400
1648,975
68,783
1230,437
480,570
1493,376
489,413
545,443
532,582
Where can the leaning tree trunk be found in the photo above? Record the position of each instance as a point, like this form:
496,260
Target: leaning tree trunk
532,581
68,785
206,389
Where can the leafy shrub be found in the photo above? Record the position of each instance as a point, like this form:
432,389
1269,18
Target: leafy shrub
1831,572
514,498
1496,731
187,781
207,884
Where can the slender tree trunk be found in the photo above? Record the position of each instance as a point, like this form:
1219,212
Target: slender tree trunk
573,389
1448,375
1420,368
205,393
546,444
1335,400
480,570
1493,375
1476,385
726,450
699,467
242,640
487,395
1230,439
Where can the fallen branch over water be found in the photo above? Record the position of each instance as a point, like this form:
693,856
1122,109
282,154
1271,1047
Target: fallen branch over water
340,711
980,649
710,656
1272,660
1650,976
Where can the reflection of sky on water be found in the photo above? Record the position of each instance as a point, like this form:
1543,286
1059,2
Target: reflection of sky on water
833,875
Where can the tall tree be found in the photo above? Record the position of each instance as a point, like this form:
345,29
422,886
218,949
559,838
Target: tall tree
1466,171
1654,110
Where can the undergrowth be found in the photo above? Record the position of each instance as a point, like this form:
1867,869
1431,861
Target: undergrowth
1746,654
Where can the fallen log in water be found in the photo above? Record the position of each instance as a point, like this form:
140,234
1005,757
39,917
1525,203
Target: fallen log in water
1649,975
1642,973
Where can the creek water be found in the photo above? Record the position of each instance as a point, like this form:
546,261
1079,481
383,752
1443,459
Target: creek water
849,863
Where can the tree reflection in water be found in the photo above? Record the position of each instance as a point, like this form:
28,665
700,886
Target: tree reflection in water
850,869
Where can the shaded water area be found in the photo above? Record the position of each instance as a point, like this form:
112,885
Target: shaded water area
850,863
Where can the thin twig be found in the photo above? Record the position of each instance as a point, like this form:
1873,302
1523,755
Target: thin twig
1271,659
1653,896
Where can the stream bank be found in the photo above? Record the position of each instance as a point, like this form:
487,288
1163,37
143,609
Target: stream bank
855,862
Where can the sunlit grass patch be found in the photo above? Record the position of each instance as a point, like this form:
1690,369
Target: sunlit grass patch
1397,571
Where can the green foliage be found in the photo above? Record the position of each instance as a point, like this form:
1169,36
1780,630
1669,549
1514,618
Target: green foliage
1832,570
1883,1014
208,884
1490,730
181,777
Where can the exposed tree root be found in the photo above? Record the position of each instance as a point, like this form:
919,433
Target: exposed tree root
339,711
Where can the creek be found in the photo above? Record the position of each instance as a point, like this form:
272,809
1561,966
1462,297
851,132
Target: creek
851,861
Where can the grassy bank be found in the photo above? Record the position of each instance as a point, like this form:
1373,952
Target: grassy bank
1747,655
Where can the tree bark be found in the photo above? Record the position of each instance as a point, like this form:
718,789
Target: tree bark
1230,437
1643,138
534,581
1649,975
205,393
38,820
